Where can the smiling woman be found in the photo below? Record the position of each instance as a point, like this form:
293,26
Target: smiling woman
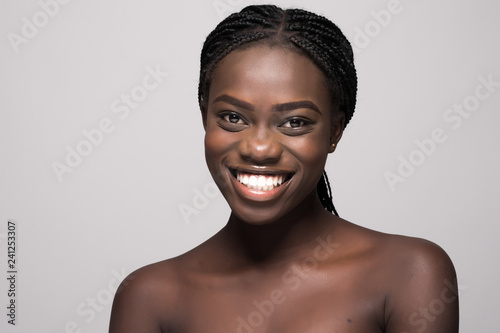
277,88
268,117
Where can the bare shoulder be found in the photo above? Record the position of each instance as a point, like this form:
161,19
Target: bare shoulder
416,253
406,254
146,298
150,281
417,276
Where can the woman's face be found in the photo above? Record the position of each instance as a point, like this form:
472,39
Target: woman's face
268,131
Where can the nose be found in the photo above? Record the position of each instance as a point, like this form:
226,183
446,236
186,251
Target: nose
260,146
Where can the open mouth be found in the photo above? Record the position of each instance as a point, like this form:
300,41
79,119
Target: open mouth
261,182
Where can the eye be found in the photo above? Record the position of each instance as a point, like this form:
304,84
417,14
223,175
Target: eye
294,123
231,121
294,126
233,118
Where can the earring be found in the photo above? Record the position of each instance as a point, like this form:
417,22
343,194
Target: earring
333,145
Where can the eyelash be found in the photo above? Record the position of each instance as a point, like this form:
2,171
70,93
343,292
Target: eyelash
286,126
226,117
301,121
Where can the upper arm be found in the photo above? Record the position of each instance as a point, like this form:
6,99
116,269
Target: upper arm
137,305
424,293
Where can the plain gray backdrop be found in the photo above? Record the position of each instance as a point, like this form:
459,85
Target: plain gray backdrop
101,143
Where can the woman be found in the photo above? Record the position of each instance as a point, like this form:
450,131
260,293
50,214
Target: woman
277,89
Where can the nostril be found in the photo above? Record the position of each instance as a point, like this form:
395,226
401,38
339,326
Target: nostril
260,150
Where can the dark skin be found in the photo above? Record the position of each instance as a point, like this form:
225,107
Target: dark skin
282,263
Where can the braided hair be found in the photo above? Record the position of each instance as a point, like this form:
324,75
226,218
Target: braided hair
310,34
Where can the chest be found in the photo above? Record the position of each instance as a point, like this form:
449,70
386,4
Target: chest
296,301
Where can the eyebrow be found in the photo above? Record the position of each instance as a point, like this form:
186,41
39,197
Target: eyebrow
296,105
234,101
276,107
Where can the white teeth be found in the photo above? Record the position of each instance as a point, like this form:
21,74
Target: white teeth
252,181
259,182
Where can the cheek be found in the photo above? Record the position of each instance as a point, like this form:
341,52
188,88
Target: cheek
217,145
312,150
212,147
314,160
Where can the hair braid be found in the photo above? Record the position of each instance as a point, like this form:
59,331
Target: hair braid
312,35
325,194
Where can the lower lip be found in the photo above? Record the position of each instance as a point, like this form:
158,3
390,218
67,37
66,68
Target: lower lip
256,195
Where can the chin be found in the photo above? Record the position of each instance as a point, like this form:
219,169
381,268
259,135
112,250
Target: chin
256,218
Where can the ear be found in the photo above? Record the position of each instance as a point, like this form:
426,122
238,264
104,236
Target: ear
336,130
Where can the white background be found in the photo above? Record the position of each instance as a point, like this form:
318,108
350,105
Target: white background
119,209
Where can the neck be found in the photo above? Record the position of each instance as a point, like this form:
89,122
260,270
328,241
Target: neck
290,237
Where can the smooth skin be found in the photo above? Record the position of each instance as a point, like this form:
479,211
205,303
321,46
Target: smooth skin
282,263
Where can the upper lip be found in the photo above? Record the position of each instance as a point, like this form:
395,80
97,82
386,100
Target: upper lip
259,170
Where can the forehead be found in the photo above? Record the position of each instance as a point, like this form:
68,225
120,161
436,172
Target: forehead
273,73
